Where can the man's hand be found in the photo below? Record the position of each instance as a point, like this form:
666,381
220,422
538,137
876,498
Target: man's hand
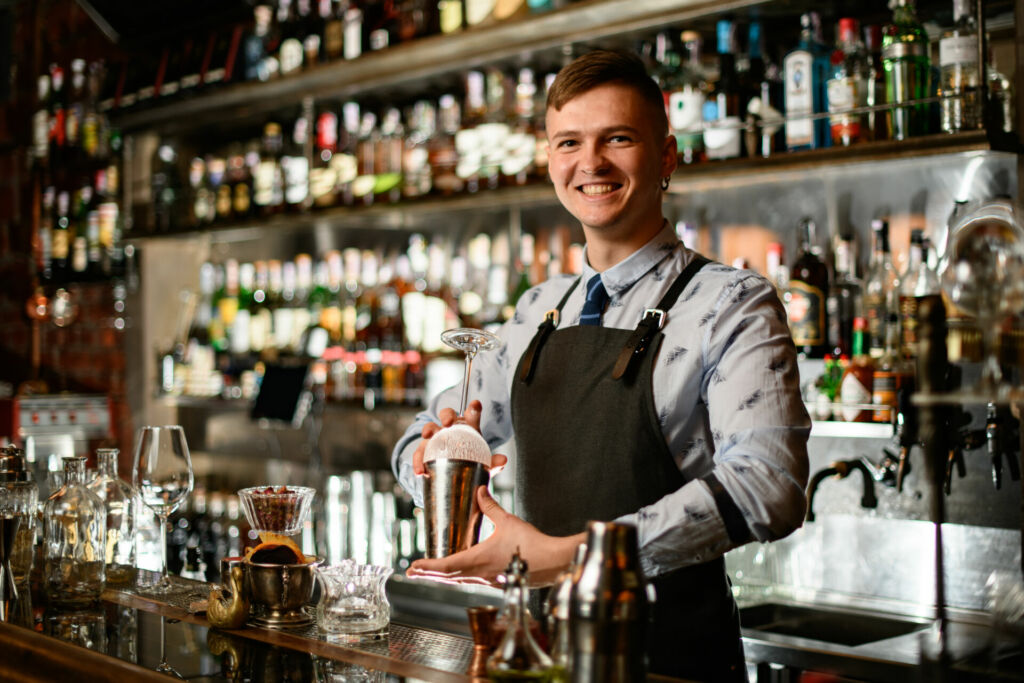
546,556
448,417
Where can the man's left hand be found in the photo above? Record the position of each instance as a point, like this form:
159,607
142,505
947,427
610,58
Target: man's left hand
546,556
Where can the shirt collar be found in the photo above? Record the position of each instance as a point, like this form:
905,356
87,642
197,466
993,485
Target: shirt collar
631,269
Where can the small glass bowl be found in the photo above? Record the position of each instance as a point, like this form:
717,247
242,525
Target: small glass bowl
278,513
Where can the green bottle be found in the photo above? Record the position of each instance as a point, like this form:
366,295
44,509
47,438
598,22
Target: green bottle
907,72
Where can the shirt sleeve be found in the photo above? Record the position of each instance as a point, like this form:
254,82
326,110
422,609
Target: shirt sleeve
488,384
759,428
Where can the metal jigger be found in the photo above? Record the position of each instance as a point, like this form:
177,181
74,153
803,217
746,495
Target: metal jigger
9,524
449,492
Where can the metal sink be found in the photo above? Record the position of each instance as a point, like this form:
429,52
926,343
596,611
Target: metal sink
835,626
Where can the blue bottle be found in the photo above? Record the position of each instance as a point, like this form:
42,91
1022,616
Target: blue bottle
806,71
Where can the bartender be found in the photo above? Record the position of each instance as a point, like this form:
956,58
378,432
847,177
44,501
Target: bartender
686,422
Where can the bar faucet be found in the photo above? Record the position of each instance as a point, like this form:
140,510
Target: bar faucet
842,469
1000,435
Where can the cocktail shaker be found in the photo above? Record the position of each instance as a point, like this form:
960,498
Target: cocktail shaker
457,460
609,608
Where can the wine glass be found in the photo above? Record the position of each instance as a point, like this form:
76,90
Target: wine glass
163,477
983,275
163,667
470,341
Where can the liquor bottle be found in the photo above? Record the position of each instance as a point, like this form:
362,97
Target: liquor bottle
311,27
350,294
261,323
857,384
881,287
79,242
451,15
776,269
284,311
121,505
367,331
330,310
477,12
848,87
290,52
422,128
917,283
295,166
268,179
94,123
959,87
238,296
417,18
366,150
199,192
467,140
346,161
60,242
444,156
844,300
166,188
323,178
301,318
275,301
886,378
220,189
517,657
44,255
907,71
806,71
353,43
387,157
518,164
876,118
686,102
805,297
74,527
723,138
255,46
494,131
75,112
239,176
41,121
523,265
332,14
58,114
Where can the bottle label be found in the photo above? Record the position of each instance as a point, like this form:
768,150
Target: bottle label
478,10
799,98
263,183
908,326
853,394
806,312
223,200
321,184
722,138
844,94
685,111
41,134
290,55
520,150
883,393
450,15
874,311
241,199
296,179
958,50
345,167
59,248
353,33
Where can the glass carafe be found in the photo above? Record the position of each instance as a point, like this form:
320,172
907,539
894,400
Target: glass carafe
518,657
121,505
23,496
74,526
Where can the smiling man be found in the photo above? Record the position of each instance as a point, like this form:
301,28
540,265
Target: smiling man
686,421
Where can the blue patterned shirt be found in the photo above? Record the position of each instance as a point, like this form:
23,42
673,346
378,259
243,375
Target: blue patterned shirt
726,388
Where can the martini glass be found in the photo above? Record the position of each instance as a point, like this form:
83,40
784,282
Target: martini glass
983,276
470,341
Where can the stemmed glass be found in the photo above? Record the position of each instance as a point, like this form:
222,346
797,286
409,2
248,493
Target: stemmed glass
470,341
163,477
163,667
983,275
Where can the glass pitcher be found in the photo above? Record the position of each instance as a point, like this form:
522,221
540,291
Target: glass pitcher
121,504
354,605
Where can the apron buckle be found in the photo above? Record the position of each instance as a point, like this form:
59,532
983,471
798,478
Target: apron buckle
552,316
657,312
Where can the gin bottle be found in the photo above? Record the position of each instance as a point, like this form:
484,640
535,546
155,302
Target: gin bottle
74,528
121,506
958,62
905,59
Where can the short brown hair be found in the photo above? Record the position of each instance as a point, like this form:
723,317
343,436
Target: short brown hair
601,67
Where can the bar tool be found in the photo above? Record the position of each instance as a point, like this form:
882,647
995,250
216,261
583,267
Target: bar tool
481,627
457,460
609,608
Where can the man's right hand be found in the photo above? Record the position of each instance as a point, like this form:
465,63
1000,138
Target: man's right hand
448,417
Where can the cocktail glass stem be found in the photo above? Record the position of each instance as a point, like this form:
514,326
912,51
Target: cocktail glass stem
470,354
164,580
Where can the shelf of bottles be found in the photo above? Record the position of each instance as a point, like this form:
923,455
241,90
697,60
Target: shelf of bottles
367,321
286,145
76,157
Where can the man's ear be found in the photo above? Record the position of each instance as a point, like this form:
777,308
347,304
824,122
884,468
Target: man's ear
669,158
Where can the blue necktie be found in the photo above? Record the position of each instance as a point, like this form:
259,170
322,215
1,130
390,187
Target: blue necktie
593,307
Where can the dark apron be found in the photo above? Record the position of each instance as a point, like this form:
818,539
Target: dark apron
590,447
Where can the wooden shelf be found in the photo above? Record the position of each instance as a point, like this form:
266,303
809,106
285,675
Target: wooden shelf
407,66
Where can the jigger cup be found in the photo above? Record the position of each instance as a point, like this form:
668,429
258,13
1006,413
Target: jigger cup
456,460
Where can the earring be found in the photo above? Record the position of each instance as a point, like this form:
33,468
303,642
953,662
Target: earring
665,182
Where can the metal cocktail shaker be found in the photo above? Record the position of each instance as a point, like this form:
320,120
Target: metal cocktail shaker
457,460
609,608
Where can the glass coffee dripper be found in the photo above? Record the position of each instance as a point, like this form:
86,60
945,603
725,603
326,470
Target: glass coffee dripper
457,460
983,276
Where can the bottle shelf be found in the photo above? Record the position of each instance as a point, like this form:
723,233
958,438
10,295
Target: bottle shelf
420,214
407,65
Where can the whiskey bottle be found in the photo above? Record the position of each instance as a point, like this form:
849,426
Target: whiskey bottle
881,288
805,297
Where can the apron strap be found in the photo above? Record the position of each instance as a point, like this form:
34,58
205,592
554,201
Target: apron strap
544,330
654,319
